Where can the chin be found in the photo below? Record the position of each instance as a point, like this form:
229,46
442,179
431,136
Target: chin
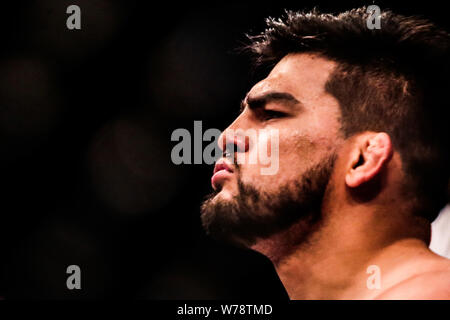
224,194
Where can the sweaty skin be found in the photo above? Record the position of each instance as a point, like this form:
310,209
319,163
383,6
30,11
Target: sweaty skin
354,232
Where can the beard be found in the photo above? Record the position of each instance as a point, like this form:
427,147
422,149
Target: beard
255,214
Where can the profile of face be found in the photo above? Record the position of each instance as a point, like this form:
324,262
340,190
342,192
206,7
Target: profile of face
291,102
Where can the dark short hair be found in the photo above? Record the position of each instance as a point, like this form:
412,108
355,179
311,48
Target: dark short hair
393,79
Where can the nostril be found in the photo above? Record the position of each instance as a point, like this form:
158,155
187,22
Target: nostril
235,143
241,143
230,150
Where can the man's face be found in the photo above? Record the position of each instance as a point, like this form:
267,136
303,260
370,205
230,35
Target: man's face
291,103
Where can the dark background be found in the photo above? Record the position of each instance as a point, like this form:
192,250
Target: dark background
86,118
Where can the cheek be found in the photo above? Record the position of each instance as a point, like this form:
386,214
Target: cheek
292,150
296,151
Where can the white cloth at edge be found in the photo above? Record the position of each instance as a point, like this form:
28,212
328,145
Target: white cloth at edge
440,233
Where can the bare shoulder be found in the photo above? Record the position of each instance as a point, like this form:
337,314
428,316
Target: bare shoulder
430,285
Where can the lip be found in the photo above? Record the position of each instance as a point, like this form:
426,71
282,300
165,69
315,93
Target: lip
222,171
222,165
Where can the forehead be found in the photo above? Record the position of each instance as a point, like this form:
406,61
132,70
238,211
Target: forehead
304,75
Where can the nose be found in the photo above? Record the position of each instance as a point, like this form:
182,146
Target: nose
232,141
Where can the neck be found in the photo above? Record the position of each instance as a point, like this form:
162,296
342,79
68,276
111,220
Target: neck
331,260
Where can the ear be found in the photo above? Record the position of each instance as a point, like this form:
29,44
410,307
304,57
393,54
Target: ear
371,154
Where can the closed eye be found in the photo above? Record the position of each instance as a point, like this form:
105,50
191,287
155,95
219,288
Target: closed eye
264,114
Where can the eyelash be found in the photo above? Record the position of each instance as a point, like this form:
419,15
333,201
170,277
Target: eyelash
265,115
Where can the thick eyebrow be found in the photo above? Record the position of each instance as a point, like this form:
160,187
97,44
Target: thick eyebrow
273,96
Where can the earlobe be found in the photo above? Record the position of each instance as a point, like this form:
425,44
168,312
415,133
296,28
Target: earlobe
373,152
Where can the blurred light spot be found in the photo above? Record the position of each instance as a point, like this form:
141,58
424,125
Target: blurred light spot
100,19
29,99
40,261
131,168
191,73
